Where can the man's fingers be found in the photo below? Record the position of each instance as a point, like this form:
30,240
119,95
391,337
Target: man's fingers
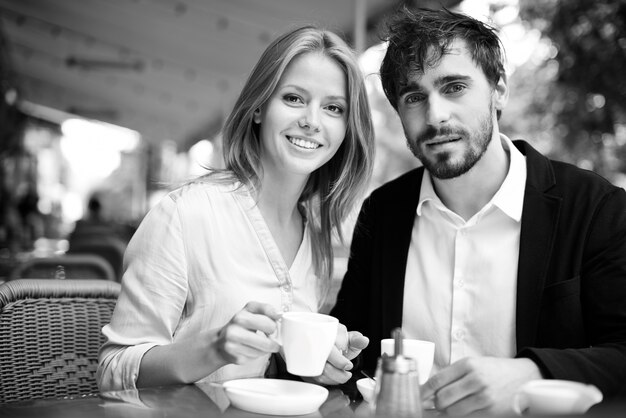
457,396
466,406
442,379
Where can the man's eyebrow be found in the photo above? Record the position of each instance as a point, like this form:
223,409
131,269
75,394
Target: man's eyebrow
451,78
411,86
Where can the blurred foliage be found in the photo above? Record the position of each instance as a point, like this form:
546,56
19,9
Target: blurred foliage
572,103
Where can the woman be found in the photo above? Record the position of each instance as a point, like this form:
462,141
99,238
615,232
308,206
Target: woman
213,264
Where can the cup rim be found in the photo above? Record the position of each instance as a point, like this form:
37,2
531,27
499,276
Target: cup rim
410,340
557,384
317,317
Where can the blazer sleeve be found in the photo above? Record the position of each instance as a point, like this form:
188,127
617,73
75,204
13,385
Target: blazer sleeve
353,296
358,304
602,361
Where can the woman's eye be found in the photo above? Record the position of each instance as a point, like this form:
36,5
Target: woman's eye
336,109
292,98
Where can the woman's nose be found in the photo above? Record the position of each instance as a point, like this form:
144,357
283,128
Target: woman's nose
310,121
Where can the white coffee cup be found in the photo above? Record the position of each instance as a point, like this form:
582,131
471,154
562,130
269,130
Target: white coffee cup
307,339
555,397
422,351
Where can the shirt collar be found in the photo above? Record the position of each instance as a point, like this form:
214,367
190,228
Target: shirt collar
427,193
509,198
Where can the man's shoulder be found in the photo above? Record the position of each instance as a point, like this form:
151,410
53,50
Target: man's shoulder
399,186
564,175
576,176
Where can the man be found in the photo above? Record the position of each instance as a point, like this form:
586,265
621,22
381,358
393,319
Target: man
513,264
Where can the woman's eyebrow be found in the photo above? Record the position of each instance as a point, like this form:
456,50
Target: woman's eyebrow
305,91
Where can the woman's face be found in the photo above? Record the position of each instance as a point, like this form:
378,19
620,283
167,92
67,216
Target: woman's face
304,122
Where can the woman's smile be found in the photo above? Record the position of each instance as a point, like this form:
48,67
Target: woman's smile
303,142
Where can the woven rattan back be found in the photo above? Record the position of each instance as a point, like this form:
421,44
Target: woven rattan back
50,334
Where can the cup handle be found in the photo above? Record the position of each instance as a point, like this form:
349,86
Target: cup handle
277,336
519,403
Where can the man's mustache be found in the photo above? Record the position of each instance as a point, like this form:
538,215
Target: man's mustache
432,132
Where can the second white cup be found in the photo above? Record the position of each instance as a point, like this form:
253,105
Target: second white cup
555,397
422,351
307,339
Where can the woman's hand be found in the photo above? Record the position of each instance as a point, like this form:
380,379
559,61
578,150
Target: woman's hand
348,345
244,338
247,335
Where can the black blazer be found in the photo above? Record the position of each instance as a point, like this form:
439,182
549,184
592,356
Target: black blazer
571,283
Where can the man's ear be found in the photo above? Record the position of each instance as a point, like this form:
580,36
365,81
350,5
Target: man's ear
256,116
501,93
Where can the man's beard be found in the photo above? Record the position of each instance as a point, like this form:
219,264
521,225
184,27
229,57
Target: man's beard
443,168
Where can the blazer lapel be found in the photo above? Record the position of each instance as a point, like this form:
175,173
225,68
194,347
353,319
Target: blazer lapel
539,220
399,217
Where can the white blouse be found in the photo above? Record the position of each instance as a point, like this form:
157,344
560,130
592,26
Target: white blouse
196,259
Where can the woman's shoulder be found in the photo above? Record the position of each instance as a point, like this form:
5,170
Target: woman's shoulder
202,189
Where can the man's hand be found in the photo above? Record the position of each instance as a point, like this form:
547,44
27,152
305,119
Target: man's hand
479,384
348,345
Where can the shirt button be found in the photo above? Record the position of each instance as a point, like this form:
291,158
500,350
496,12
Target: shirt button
460,283
459,334
285,308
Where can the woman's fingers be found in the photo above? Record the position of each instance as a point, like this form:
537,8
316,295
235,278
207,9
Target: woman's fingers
245,337
257,317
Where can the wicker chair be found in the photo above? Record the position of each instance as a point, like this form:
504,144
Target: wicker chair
50,334
69,266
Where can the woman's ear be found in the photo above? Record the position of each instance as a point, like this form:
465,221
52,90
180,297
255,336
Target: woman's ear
256,116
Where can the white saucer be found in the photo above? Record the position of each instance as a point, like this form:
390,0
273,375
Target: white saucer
275,396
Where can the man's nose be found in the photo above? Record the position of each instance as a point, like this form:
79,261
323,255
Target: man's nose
438,111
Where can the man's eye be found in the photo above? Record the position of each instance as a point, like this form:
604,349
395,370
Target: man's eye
456,88
414,98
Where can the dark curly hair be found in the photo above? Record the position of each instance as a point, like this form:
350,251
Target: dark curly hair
419,38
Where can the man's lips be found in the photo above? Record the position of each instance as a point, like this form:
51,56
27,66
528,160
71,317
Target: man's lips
441,140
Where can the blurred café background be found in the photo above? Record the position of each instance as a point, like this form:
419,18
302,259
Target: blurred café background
107,104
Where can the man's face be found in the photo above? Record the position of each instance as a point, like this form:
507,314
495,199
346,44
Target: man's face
448,113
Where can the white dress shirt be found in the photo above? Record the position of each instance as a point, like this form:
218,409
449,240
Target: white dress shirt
461,276
196,259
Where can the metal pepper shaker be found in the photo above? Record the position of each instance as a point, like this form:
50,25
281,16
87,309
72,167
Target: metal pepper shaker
397,383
